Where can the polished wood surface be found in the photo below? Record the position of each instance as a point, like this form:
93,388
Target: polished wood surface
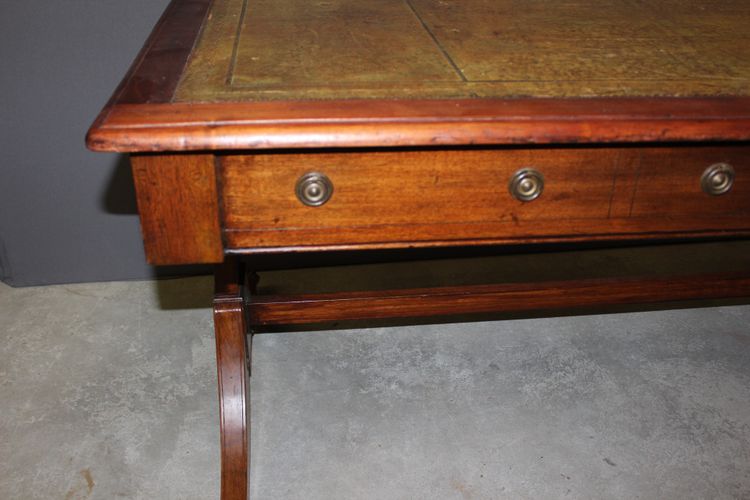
232,358
419,111
153,76
448,190
343,49
668,184
178,203
363,123
156,72
461,196
441,301
150,112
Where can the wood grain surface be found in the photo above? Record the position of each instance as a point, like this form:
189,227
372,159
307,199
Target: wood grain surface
155,72
388,123
301,309
178,204
461,196
597,95
232,355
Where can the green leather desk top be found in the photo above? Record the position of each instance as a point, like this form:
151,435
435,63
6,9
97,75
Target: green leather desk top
338,49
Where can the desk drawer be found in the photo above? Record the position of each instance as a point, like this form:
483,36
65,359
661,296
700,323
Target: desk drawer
669,183
462,196
403,195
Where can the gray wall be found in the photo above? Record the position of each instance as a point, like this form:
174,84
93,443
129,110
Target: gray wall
66,214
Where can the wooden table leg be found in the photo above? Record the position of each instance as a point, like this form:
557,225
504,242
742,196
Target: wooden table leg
232,350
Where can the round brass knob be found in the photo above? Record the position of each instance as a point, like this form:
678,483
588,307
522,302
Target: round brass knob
314,189
527,184
717,179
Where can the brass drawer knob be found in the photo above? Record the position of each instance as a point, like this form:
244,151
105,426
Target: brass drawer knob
527,184
718,179
314,189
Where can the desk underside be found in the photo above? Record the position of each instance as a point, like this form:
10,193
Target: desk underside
338,49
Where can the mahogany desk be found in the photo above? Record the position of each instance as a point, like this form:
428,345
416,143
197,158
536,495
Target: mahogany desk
291,126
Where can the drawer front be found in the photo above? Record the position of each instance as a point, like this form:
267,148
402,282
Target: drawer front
463,196
669,183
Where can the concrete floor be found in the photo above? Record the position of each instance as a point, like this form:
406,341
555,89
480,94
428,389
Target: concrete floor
108,391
